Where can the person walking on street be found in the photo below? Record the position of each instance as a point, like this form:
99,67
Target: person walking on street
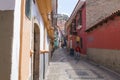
77,51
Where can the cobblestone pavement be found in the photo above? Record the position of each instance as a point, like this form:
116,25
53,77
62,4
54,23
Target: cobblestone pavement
65,67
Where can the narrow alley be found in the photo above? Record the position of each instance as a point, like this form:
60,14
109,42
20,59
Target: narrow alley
65,67
39,38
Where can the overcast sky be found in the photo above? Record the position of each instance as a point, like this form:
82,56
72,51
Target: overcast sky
66,6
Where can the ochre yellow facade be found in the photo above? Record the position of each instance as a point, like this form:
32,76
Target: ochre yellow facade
25,32
26,25
45,8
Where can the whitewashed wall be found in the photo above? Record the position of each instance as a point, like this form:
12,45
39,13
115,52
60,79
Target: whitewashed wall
7,4
43,57
16,37
47,41
41,25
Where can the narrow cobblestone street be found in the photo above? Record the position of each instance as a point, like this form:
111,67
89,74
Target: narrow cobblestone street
65,67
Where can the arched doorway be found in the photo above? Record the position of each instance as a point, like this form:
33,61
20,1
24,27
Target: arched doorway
36,58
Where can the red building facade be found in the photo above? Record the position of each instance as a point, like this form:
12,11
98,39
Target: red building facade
76,26
106,35
81,32
103,42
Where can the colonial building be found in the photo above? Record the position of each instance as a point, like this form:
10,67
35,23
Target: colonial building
75,27
61,20
26,31
103,29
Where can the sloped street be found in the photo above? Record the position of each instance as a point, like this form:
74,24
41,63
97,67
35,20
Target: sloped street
64,67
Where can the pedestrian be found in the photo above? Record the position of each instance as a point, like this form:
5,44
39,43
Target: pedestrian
62,44
77,51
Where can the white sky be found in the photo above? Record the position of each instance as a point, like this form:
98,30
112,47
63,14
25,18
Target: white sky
66,6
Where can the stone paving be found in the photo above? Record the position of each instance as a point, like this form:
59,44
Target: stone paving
65,67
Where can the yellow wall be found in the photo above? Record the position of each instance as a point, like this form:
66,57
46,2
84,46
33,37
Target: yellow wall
24,63
25,53
26,31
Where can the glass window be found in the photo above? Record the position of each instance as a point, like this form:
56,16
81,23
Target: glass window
28,8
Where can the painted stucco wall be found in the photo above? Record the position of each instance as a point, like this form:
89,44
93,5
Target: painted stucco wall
46,41
105,36
43,57
103,44
16,41
11,22
10,40
41,24
10,17
41,66
105,57
7,4
81,32
25,58
47,49
26,42
6,38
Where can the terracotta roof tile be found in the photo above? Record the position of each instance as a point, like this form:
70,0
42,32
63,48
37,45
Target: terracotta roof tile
97,10
105,19
77,7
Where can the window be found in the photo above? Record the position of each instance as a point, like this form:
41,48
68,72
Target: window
74,27
81,42
80,18
28,8
71,29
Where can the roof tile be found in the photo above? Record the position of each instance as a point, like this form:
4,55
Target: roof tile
97,10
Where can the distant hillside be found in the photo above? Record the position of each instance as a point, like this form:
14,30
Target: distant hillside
63,17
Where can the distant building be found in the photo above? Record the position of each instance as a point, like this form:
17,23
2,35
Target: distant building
103,30
76,26
62,18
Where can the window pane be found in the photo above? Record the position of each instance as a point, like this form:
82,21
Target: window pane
28,9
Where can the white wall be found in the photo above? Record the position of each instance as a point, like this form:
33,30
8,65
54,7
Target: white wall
16,39
42,29
7,4
47,40
41,25
16,35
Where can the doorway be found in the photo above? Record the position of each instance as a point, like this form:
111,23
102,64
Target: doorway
36,56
